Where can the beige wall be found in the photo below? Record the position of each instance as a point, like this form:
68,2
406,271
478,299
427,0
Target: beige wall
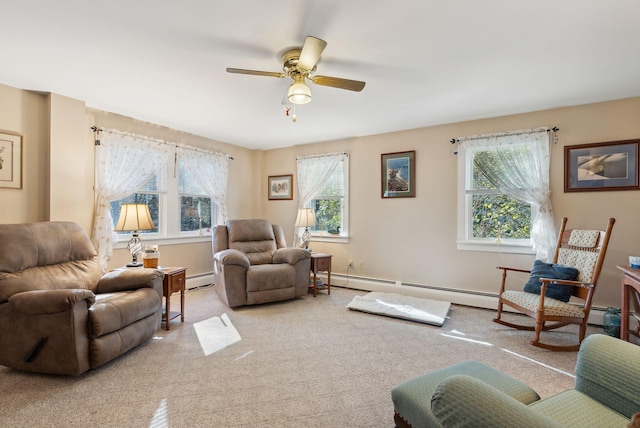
25,113
414,239
71,170
58,168
410,239
242,202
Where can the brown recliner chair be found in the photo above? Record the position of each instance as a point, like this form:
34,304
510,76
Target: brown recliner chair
253,265
58,314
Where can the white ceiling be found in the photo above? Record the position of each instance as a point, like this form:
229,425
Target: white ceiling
425,62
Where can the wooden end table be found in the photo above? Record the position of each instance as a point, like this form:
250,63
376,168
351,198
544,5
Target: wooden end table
630,289
321,262
175,279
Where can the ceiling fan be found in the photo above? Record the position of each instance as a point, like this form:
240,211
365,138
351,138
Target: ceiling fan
299,64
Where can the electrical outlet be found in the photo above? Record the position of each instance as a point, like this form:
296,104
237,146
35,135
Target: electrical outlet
360,264
350,263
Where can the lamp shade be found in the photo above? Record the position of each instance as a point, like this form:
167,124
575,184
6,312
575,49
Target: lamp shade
134,217
306,218
299,93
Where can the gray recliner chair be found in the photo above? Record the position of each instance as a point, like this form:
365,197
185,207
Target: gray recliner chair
58,313
253,265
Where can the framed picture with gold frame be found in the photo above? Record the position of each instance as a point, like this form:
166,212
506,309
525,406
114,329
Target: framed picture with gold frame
10,160
280,187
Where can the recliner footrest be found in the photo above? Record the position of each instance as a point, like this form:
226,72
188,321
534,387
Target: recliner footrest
412,398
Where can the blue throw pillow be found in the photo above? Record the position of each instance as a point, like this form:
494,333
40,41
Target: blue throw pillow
541,269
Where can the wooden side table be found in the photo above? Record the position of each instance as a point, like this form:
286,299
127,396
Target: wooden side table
175,279
630,288
321,262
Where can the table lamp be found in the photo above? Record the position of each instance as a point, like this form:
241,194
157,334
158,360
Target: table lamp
134,218
306,218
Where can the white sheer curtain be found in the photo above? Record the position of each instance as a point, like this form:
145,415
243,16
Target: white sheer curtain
210,171
312,173
520,169
124,163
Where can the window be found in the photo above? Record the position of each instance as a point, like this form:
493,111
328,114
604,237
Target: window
493,213
488,213
178,205
150,195
330,205
195,205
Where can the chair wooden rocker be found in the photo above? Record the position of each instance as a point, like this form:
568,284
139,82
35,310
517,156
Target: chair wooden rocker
581,249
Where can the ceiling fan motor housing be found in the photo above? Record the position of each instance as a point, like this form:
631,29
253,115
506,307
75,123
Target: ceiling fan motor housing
290,63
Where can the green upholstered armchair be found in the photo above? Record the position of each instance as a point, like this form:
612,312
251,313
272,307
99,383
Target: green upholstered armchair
606,394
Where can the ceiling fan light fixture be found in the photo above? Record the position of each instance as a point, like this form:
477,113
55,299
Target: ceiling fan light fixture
299,93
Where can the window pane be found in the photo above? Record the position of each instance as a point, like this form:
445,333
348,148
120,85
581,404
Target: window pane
487,163
498,211
152,185
193,209
152,201
480,180
328,214
157,183
186,184
335,184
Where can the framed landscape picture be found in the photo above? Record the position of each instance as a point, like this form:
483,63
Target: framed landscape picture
398,174
10,160
280,187
601,166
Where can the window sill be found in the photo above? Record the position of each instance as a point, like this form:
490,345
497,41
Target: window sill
339,239
122,242
494,247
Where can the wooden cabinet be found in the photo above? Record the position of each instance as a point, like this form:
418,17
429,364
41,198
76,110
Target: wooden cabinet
175,280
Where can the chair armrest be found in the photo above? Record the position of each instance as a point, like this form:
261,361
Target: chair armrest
545,281
38,302
129,279
232,257
513,269
464,401
607,371
290,255
504,270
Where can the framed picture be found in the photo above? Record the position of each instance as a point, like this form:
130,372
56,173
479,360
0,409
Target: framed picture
601,166
399,174
280,187
10,160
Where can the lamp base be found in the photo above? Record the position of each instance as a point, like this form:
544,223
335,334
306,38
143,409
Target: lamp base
134,264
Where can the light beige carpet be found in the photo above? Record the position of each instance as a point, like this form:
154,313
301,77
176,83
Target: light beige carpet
308,362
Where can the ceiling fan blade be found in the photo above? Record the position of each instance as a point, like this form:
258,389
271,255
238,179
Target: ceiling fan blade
256,72
311,52
336,82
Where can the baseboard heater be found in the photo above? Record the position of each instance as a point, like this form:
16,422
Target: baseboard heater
199,280
457,296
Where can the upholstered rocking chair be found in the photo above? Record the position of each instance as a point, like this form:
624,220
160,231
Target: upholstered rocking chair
582,250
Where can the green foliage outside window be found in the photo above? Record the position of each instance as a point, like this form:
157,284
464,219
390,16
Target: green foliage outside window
328,213
493,211
327,205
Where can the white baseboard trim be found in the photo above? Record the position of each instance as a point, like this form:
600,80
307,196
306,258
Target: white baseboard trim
199,280
457,296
